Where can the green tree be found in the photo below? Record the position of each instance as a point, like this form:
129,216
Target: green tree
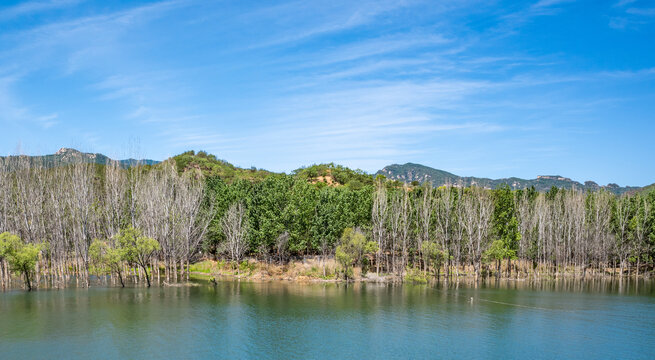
352,249
269,199
434,255
137,249
497,252
505,224
299,214
108,256
21,257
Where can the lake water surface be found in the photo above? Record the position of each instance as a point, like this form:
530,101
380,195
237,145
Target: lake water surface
235,320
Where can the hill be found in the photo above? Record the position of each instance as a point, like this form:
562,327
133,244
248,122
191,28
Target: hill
410,172
211,166
334,175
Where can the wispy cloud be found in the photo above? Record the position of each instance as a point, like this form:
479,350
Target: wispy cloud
512,21
641,11
48,121
32,7
632,14
301,20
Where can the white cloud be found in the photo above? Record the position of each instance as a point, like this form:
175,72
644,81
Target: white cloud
48,121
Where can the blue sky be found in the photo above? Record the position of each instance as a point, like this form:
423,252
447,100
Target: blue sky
480,88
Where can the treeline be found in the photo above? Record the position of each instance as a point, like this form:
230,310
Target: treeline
192,213
445,229
63,209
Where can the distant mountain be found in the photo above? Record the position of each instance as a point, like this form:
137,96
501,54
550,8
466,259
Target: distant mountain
329,173
415,172
71,156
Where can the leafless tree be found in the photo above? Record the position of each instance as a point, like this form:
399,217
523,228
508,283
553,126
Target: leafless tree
394,219
478,208
235,228
424,212
622,217
445,207
378,218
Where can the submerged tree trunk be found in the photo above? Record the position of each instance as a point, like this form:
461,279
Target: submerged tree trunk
27,281
120,277
145,271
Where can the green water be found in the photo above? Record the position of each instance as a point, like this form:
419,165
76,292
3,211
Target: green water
234,320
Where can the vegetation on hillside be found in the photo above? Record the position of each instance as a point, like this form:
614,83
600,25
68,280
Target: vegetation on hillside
210,166
334,175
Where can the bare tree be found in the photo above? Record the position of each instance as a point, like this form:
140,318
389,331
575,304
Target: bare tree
83,217
394,219
405,227
478,209
444,214
622,216
281,247
641,228
192,219
424,212
235,228
115,198
378,218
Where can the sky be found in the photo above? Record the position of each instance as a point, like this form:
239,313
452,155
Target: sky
478,88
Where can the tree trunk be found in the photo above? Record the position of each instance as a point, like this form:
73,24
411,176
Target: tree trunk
2,274
145,270
120,277
27,281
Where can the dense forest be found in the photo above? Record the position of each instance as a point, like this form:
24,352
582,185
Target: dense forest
154,220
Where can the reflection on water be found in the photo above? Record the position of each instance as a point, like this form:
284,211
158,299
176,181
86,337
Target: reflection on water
575,319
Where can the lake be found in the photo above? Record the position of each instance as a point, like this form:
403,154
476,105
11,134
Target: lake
516,320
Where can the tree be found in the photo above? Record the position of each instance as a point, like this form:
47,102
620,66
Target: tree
22,257
433,254
137,249
235,228
640,227
424,212
281,246
505,224
478,209
622,215
378,217
497,252
352,248
107,255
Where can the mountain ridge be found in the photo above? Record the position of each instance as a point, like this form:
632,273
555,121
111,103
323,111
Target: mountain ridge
407,173
410,172
70,156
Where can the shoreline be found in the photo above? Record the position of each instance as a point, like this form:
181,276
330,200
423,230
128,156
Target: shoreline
198,279
318,271
309,271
